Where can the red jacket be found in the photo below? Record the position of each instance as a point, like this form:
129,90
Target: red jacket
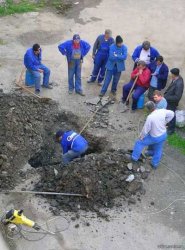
143,79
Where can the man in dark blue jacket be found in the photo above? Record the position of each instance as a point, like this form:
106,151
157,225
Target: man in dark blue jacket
144,52
100,56
159,78
73,145
33,63
74,50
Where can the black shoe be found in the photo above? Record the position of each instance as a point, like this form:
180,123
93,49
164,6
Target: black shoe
37,91
48,86
101,95
80,93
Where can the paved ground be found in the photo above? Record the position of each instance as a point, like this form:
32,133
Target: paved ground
135,21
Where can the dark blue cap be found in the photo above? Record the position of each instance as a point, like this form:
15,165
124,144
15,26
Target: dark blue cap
76,37
59,133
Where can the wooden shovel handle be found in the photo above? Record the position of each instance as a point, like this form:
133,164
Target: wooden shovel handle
132,89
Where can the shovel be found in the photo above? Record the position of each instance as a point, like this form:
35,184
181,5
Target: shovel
21,86
126,102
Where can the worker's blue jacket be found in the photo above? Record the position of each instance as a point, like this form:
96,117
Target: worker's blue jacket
117,57
66,49
73,141
153,53
31,61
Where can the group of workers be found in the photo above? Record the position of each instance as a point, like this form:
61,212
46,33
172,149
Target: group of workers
109,56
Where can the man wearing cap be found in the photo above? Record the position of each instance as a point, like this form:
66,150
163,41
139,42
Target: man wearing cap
141,74
75,50
173,95
100,56
159,77
73,145
153,134
144,52
115,65
33,63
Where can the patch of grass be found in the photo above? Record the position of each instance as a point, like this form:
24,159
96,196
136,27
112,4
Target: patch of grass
10,8
177,141
2,42
23,6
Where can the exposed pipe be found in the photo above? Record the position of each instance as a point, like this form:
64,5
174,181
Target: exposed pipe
47,193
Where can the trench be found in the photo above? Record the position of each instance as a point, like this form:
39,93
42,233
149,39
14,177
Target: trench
27,136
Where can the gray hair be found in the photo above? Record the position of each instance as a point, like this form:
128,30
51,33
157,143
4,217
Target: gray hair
109,32
146,44
142,63
150,106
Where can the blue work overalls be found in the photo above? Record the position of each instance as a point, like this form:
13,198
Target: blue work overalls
100,61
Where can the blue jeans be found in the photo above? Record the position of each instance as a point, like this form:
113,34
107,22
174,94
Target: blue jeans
109,74
99,67
70,155
155,145
37,76
74,70
138,91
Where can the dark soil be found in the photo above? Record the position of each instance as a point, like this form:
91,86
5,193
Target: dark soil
100,176
27,131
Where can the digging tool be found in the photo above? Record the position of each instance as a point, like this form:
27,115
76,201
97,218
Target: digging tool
18,83
126,102
92,117
43,193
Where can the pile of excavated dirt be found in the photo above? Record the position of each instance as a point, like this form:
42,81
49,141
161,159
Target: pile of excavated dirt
27,128
27,131
100,176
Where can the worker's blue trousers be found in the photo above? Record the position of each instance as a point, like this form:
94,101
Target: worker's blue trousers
109,74
74,71
155,145
99,67
70,155
37,76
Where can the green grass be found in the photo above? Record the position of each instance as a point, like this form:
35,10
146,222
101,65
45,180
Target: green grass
177,141
24,6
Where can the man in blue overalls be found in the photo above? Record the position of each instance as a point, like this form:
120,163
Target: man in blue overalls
73,145
33,63
100,56
74,50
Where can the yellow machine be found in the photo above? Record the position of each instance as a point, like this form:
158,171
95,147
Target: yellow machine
17,217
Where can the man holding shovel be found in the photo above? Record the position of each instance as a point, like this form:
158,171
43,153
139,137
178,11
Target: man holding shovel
139,83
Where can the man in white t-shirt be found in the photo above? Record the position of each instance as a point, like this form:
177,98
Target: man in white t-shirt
153,134
144,52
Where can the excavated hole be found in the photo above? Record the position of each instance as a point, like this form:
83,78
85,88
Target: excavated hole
48,157
27,135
